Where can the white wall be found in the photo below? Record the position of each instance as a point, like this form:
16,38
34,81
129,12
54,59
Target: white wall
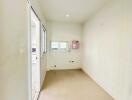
13,50
1,74
107,56
59,31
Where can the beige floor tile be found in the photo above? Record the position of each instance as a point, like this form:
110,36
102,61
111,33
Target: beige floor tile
71,85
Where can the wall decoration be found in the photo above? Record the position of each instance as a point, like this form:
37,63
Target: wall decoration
75,44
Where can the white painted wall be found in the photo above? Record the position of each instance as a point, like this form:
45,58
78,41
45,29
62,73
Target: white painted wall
107,47
1,73
59,31
13,50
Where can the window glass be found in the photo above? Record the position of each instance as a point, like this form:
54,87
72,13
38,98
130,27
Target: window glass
59,46
63,45
55,45
45,42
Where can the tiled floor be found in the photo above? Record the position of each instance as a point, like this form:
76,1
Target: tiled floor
71,85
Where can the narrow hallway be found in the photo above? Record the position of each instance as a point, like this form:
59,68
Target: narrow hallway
66,49
71,85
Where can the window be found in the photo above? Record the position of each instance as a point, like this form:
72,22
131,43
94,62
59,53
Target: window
55,45
43,40
59,45
63,45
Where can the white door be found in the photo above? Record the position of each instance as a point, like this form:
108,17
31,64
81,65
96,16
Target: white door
35,54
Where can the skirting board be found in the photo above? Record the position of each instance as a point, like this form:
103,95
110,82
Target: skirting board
41,86
43,79
60,68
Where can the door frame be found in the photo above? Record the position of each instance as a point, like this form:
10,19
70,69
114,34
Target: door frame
38,55
29,8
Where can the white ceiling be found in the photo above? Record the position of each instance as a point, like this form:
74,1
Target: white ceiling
79,10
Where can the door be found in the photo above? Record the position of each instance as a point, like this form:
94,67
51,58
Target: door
35,54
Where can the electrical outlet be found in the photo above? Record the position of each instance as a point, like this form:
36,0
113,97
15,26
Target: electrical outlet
53,66
71,61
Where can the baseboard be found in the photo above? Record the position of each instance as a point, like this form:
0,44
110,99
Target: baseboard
41,86
43,80
97,82
66,68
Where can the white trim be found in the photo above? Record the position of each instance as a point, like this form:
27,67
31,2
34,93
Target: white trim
29,52
60,68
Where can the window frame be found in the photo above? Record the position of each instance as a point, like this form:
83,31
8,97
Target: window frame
43,40
60,49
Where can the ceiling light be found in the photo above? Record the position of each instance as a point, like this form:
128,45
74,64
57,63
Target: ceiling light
67,15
